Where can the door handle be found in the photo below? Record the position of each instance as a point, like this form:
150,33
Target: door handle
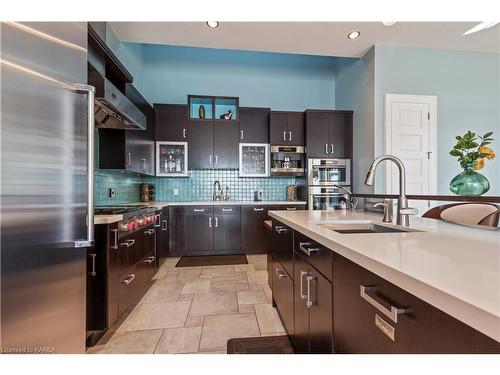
391,313
183,133
144,163
289,136
326,149
128,243
93,273
280,230
210,222
291,208
258,209
216,159
149,232
309,301
90,91
308,251
149,260
157,224
284,136
280,273
210,159
199,210
302,295
216,222
164,225
129,158
241,132
227,210
115,242
331,149
128,279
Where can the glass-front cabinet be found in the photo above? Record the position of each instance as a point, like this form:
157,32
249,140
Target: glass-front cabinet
254,160
172,159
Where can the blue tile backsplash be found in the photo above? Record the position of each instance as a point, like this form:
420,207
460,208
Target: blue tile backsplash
198,186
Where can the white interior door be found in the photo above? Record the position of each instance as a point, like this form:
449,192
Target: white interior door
410,134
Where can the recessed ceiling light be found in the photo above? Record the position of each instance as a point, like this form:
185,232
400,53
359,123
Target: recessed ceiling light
213,24
353,35
388,23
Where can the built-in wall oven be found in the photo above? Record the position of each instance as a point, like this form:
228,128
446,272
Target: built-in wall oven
326,172
328,180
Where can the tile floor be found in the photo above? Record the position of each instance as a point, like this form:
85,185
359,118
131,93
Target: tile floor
197,309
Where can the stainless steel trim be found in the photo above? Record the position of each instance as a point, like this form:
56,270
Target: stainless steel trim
128,279
90,91
128,243
149,260
210,222
385,327
164,225
216,222
309,302
280,230
281,274
287,170
308,251
258,209
313,164
289,149
302,274
115,232
391,314
93,273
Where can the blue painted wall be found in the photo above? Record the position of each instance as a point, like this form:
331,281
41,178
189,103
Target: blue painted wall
279,81
467,85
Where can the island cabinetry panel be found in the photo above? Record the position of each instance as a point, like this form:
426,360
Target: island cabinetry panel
362,323
283,295
282,246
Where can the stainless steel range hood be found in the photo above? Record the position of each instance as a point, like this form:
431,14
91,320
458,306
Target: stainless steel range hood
113,109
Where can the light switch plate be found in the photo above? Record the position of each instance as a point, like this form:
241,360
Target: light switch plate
176,191
112,192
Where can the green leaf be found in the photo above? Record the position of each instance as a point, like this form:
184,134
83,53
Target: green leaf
455,153
488,135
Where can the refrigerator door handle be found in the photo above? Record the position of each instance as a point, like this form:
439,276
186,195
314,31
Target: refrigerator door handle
90,92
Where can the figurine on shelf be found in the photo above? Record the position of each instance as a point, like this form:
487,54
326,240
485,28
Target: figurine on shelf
201,111
227,116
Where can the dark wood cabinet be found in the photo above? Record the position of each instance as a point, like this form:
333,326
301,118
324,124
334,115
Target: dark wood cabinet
253,232
227,229
283,295
161,226
199,238
177,230
328,134
225,145
171,122
200,149
421,329
131,150
300,338
254,125
282,246
286,128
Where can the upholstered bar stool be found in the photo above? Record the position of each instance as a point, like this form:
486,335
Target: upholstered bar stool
487,214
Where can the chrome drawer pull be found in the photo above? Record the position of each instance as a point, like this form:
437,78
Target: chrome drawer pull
199,210
391,314
302,274
93,273
128,243
280,273
291,208
280,230
128,279
258,209
309,302
149,232
227,210
115,234
308,251
164,225
157,224
149,260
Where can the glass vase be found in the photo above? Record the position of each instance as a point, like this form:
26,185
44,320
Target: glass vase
469,183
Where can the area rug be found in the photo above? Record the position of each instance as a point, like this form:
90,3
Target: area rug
260,345
212,260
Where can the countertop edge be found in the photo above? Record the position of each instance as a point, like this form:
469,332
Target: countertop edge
477,318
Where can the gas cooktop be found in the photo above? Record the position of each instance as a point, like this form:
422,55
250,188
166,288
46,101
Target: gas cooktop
115,210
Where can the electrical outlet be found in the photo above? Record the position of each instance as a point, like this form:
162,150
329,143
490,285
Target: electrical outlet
176,191
112,192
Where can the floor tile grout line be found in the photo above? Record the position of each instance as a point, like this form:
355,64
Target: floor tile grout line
158,342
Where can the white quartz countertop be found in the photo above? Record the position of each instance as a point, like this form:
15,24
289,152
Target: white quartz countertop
452,267
109,219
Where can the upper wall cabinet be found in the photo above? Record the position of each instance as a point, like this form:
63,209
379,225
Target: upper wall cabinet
171,122
254,125
286,128
328,134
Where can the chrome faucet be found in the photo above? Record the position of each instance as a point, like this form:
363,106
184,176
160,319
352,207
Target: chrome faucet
403,210
217,193
351,201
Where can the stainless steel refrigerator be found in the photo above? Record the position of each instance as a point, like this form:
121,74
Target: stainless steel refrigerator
47,127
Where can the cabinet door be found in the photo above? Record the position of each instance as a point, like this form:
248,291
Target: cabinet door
227,232
282,245
320,313
171,122
300,338
177,231
295,129
283,295
254,125
200,148
199,225
278,128
253,232
317,127
162,234
225,145
340,135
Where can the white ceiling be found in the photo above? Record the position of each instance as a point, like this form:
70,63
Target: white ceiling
311,38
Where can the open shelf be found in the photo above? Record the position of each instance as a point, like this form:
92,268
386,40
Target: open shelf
195,102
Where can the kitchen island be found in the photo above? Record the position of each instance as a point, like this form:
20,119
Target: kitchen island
452,268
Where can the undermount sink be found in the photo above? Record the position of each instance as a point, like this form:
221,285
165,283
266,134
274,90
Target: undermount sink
365,227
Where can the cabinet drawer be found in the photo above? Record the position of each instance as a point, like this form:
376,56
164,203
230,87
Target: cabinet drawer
315,254
128,291
193,210
221,210
283,295
282,245
422,329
